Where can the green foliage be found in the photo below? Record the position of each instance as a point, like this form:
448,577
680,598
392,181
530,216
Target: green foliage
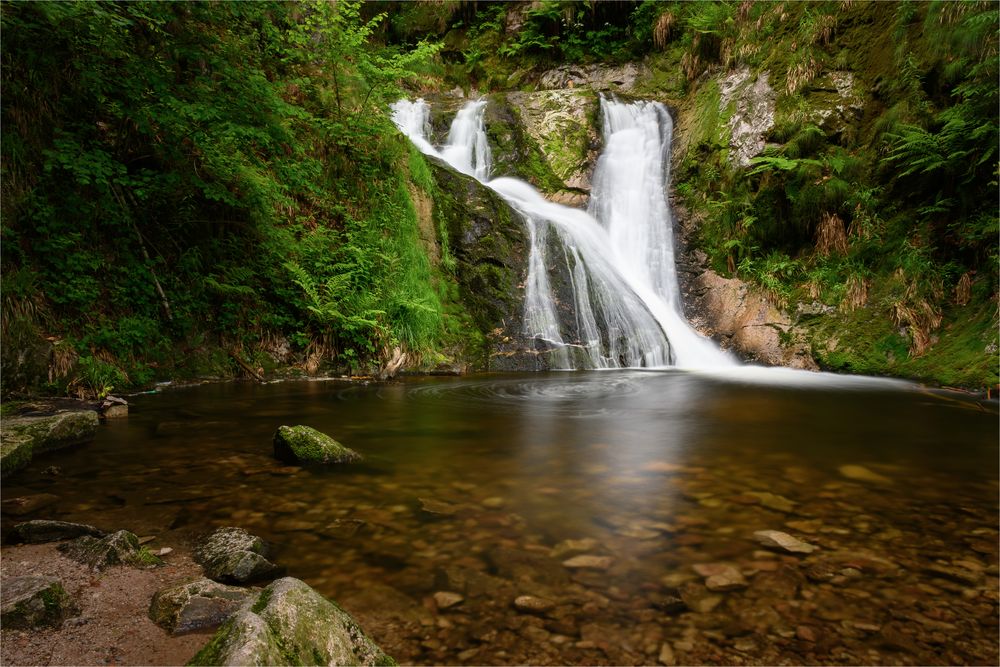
163,161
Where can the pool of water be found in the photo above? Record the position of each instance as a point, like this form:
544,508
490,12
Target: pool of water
493,486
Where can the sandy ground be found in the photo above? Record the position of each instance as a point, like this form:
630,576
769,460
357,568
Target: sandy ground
113,627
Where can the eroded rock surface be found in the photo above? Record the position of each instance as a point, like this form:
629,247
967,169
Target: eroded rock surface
751,103
742,319
289,623
33,601
564,124
616,78
195,605
232,555
118,548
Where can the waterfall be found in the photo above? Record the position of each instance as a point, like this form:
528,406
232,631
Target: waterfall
616,259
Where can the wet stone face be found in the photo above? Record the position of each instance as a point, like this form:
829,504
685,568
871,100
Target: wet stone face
503,522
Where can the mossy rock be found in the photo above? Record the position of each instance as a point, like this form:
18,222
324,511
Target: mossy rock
515,151
15,454
232,555
289,623
564,124
119,548
304,444
195,605
22,438
490,245
42,530
29,602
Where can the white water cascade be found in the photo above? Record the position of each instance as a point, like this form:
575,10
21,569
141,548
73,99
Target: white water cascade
617,259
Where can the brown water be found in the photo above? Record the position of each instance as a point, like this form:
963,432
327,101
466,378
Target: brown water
486,485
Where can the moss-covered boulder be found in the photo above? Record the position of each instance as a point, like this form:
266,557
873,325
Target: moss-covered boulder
119,548
195,605
22,438
43,530
289,623
32,601
304,444
232,555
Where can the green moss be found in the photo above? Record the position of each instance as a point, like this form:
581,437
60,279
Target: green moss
866,342
15,454
211,653
262,600
305,444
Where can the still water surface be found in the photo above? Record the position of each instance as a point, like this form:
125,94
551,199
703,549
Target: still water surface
487,485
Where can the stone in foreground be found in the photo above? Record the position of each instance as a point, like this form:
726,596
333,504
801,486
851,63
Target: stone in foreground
775,539
195,605
120,548
32,601
232,555
303,444
289,623
42,530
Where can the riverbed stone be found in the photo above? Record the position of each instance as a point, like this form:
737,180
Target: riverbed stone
289,623
863,474
232,555
23,438
118,548
720,577
532,604
195,605
33,601
588,561
304,444
776,539
44,530
447,599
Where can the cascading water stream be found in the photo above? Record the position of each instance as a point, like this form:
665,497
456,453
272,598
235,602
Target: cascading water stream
618,257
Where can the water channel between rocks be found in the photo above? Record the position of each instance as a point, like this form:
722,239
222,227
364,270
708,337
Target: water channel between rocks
491,487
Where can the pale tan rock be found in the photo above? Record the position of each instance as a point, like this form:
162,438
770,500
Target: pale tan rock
863,474
588,561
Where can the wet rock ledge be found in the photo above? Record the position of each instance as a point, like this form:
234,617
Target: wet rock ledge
23,438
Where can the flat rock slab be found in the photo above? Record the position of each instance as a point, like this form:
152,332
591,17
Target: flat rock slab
43,530
863,474
119,548
289,623
196,605
27,504
23,438
720,577
775,539
232,555
304,444
587,561
33,601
